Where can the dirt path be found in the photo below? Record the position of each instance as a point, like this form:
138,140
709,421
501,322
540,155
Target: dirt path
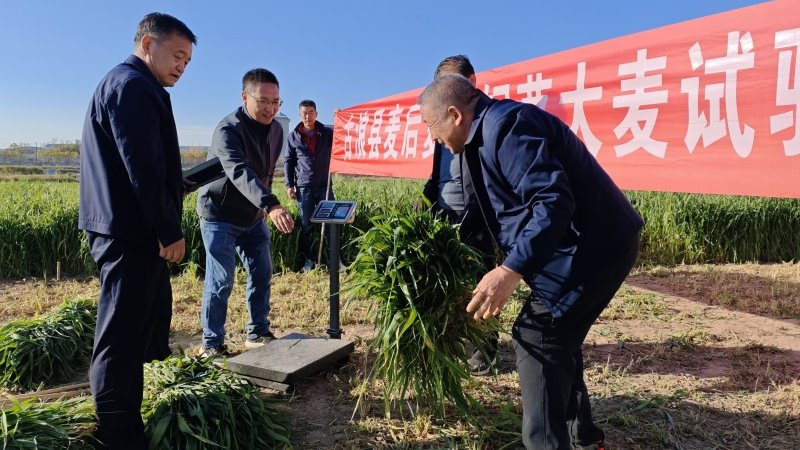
733,327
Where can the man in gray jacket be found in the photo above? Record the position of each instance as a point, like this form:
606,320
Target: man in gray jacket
232,211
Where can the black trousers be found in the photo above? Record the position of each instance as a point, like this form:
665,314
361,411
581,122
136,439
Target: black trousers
133,319
556,409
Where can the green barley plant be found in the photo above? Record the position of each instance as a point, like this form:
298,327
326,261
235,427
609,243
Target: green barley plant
66,424
373,195
49,349
419,276
189,403
38,225
694,228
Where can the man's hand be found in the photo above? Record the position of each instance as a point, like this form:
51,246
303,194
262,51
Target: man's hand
281,218
291,192
173,252
492,292
187,186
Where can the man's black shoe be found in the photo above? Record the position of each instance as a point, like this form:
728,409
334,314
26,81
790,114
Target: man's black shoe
259,341
480,365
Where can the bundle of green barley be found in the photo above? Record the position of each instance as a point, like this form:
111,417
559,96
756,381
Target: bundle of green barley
189,403
420,275
60,424
49,349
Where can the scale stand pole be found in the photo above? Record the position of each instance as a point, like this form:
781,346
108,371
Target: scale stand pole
333,267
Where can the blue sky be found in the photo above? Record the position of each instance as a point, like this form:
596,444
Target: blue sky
339,54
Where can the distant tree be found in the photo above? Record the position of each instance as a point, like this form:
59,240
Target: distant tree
62,151
193,156
13,151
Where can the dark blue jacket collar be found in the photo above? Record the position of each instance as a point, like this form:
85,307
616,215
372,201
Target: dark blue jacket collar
480,109
137,62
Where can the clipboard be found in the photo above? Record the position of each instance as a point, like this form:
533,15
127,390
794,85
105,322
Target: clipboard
203,173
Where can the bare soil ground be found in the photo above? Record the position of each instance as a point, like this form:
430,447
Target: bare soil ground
687,357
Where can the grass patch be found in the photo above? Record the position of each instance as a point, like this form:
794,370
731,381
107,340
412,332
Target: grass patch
634,305
49,349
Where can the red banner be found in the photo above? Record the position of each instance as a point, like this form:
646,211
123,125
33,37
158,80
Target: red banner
710,105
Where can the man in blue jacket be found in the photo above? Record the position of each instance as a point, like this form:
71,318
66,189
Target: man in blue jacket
307,163
232,211
565,229
131,202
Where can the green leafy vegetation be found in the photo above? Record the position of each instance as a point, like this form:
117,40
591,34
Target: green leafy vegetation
189,403
694,228
420,276
55,425
49,349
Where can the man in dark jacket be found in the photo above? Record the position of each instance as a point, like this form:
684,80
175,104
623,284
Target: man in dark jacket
232,211
448,195
565,229
306,164
131,201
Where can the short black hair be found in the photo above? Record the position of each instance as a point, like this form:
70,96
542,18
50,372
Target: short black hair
307,102
258,76
449,89
160,26
455,64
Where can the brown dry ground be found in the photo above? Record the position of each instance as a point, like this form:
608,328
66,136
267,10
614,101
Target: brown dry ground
686,357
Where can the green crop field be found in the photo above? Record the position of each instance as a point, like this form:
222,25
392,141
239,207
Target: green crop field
38,221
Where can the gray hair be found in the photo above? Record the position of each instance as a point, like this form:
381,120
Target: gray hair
445,91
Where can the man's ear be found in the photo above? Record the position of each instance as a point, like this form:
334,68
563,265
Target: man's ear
145,44
456,114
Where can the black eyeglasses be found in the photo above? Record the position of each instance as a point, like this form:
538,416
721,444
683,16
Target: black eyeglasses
262,102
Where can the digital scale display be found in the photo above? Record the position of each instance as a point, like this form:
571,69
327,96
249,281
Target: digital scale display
334,211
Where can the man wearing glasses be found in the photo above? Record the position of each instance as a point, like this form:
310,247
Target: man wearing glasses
232,209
